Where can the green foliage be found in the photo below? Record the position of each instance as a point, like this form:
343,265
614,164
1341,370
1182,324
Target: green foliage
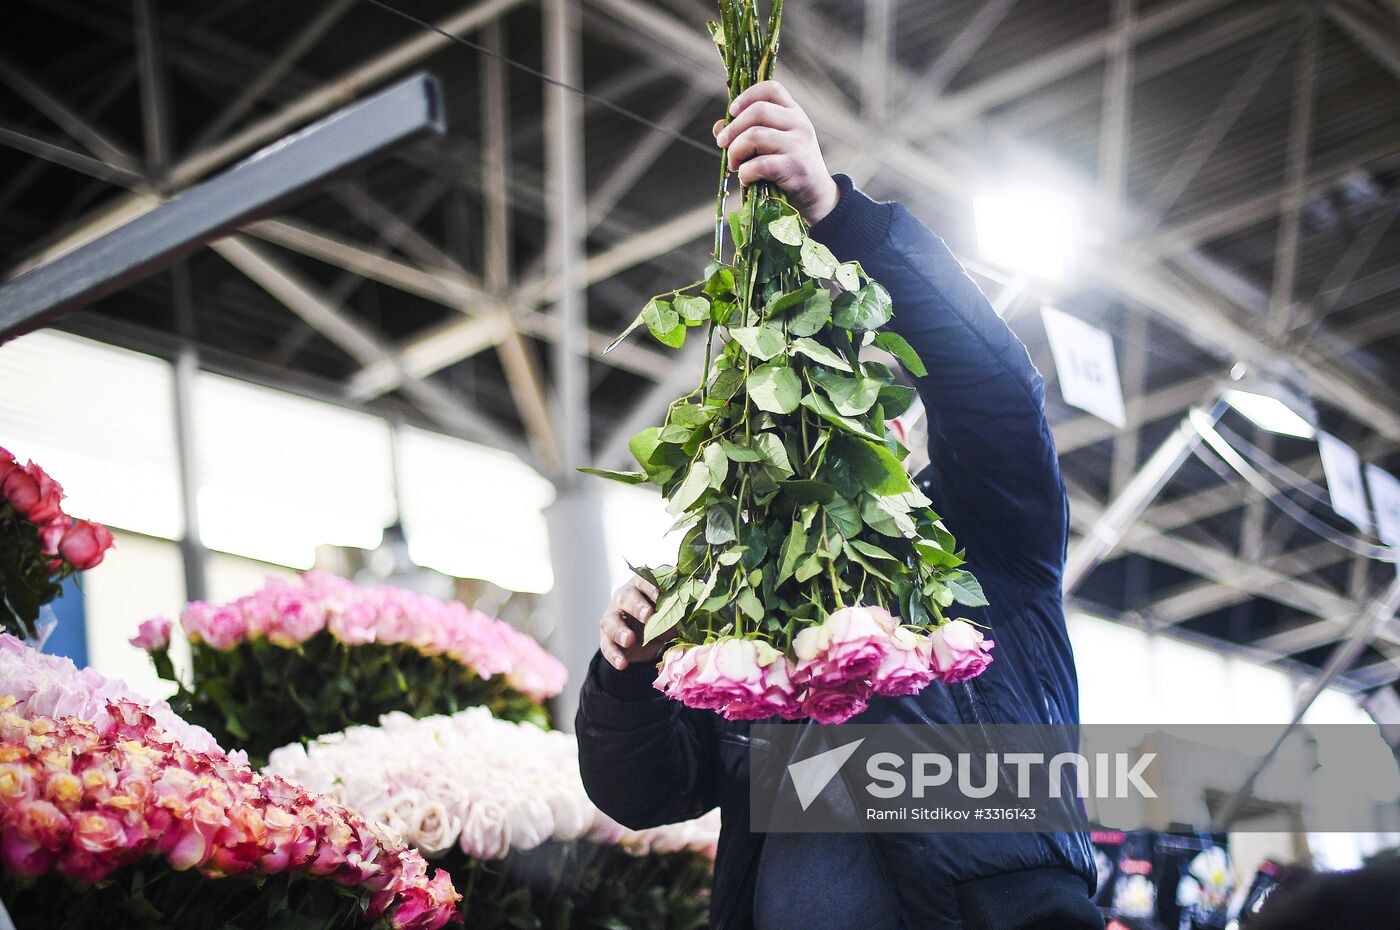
26,582
582,886
792,495
153,896
258,696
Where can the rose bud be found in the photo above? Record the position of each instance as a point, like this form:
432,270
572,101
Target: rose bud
84,544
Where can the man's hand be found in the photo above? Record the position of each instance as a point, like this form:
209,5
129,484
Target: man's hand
770,138
620,630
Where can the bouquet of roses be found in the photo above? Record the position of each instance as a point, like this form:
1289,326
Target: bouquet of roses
803,533
502,806
109,819
40,545
295,660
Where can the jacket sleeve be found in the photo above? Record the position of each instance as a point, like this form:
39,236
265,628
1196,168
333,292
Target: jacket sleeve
995,476
646,760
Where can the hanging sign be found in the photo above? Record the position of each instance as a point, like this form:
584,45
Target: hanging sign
1086,365
1385,494
1342,467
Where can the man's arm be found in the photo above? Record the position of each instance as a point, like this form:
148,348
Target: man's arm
646,760
996,475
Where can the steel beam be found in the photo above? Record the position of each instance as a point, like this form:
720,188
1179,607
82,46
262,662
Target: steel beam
165,233
1362,631
79,129
1107,531
355,338
1295,172
53,152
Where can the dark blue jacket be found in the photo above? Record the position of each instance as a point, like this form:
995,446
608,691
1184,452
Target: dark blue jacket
996,481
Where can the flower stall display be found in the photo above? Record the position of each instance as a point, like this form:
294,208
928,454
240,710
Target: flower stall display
502,806
40,545
295,660
115,814
804,534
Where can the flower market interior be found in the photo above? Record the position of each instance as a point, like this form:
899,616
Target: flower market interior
886,373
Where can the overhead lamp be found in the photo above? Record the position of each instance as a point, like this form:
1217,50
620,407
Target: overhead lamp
1033,230
1271,401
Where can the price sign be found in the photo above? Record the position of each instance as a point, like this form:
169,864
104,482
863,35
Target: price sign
1342,467
1385,494
1086,365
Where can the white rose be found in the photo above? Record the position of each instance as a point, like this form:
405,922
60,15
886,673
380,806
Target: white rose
485,830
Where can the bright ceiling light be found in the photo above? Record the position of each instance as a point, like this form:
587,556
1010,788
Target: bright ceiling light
1031,230
1268,412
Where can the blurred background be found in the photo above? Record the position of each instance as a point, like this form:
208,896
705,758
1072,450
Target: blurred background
1178,205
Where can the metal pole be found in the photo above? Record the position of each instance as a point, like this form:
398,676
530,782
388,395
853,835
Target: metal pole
575,519
186,458
1363,630
1124,510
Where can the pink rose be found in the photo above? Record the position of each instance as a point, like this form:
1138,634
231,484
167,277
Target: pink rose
850,646
84,544
153,635
836,705
7,464
743,679
959,651
298,617
353,623
906,669
220,628
34,495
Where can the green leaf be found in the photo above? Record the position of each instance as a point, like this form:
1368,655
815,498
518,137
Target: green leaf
845,515
808,569
793,548
899,347
660,318
626,477
873,551
719,526
669,611
691,416
848,275
822,407
696,483
783,302
787,229
817,259
675,433
638,321
725,384
774,387
811,316
866,564
738,453
739,228
937,557
762,342
850,396
875,466
867,308
820,354
749,603
644,444
806,490
719,280
692,310
967,590
896,399
772,451
717,462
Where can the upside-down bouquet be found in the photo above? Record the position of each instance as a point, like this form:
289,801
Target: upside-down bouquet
804,536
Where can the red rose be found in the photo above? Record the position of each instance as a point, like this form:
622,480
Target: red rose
84,544
7,464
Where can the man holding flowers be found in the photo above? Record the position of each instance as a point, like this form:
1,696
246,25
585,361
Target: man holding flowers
995,479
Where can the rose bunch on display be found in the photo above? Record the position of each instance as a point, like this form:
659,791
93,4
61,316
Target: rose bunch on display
295,660
40,545
789,486
502,807
470,781
110,817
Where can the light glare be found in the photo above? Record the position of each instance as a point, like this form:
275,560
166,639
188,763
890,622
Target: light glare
1032,231
1270,413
